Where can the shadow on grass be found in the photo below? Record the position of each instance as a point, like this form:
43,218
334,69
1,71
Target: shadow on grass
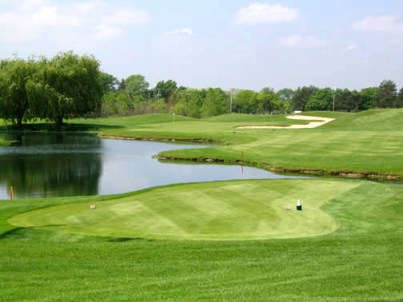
11,233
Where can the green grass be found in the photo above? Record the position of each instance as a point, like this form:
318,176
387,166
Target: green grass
223,241
360,260
368,142
3,142
210,211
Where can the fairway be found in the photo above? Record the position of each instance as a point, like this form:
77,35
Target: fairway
240,210
363,145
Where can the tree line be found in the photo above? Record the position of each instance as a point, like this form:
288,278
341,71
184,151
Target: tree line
133,96
69,86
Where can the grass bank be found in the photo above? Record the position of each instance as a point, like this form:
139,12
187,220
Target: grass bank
359,260
356,145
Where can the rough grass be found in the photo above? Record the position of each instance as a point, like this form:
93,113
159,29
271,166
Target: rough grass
360,261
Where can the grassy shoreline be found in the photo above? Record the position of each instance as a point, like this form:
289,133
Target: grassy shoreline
366,145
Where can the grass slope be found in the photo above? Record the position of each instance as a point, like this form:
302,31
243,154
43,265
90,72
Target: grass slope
360,261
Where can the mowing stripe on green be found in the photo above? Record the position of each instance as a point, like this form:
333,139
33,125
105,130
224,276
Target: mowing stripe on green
241,210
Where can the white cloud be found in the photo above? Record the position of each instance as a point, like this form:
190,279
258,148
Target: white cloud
125,17
90,6
299,41
257,13
186,31
385,23
351,47
106,32
27,20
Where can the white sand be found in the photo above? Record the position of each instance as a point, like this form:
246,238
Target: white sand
316,122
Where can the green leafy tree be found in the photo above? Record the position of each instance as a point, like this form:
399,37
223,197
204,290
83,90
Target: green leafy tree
322,99
122,85
286,94
245,101
269,101
301,97
136,85
368,98
387,94
399,99
166,91
15,76
74,86
108,82
188,102
216,102
68,85
116,103
346,100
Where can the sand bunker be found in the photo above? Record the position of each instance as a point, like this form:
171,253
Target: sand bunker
316,122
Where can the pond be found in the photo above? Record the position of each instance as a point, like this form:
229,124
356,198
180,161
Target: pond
67,164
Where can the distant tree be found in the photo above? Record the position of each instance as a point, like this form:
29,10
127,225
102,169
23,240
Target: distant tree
286,94
320,100
166,91
116,103
136,85
122,85
216,102
368,98
387,94
301,97
399,99
108,82
245,101
188,102
269,101
346,100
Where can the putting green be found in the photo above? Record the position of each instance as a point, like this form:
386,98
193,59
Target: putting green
236,210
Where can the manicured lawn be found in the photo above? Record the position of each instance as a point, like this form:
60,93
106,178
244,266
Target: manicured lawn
223,241
366,142
242,210
359,260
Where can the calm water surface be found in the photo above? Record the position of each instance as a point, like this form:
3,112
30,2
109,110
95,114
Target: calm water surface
66,164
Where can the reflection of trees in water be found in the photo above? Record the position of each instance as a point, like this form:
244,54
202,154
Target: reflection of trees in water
78,140
53,174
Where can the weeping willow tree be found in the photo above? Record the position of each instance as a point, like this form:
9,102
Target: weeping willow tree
14,93
66,86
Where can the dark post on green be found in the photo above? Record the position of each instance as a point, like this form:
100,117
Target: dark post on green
299,205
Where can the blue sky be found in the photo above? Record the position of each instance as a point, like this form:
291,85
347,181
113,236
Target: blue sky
222,43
